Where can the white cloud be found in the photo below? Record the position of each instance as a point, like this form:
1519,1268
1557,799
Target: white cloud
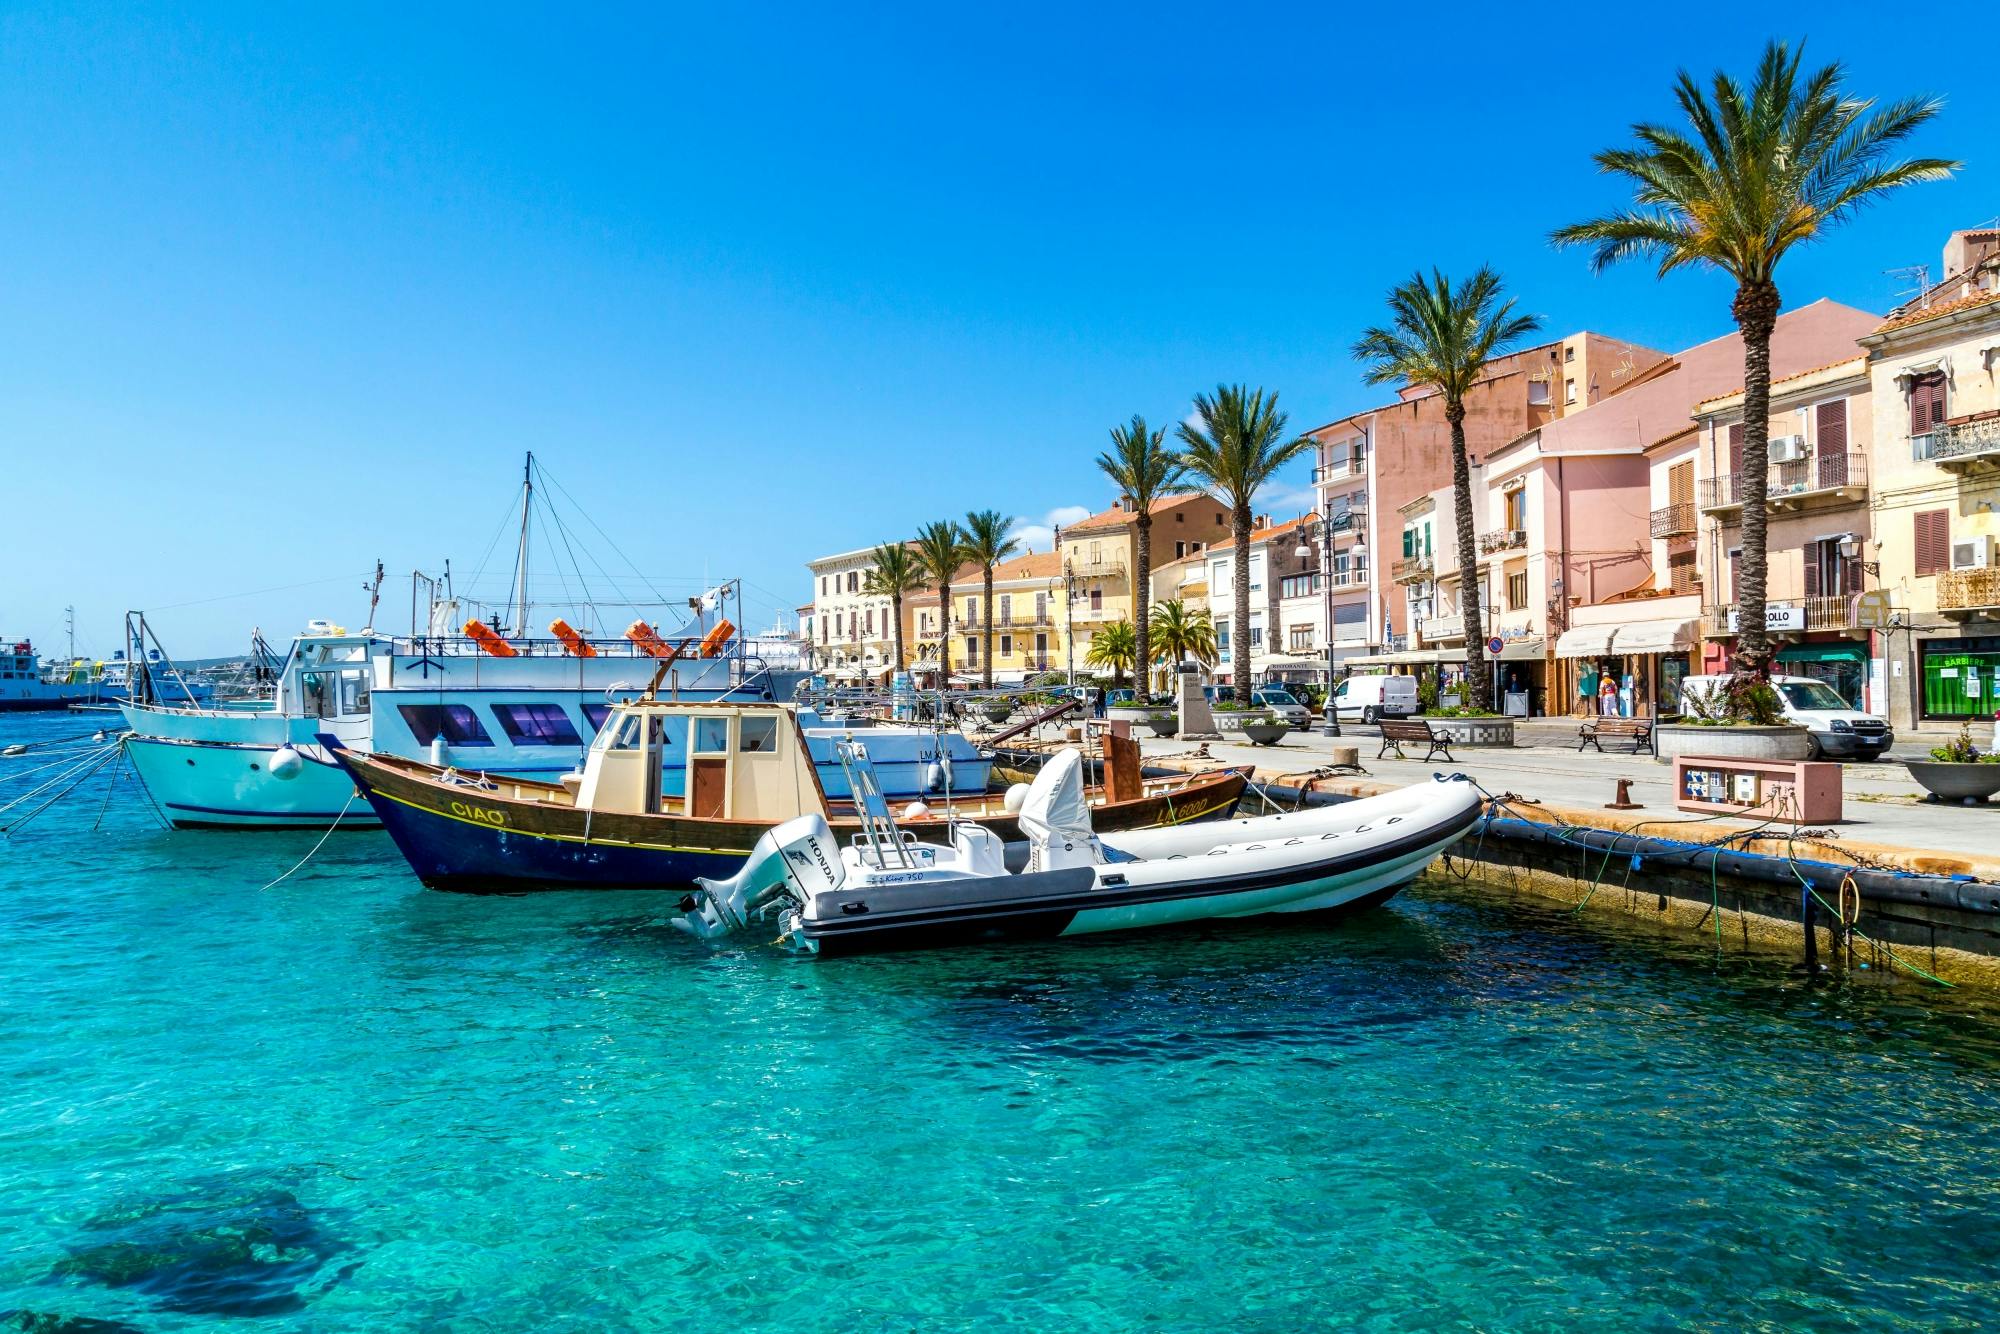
1040,534
1285,500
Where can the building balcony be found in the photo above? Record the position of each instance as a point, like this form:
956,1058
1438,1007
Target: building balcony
1674,520
1960,593
1789,616
1349,581
1411,570
1348,519
1505,539
1960,448
1721,493
1449,626
1821,479
1334,472
1108,568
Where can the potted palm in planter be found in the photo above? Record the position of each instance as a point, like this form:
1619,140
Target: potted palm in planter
997,710
1164,722
1958,771
1742,718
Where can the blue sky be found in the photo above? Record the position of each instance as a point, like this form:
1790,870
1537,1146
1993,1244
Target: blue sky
283,292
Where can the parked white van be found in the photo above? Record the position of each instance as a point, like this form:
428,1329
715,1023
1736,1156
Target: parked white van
1372,698
1834,729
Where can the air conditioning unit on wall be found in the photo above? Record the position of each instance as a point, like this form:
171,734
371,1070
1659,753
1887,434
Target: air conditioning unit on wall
1972,553
1788,448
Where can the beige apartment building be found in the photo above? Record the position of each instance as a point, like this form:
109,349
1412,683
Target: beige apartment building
1935,457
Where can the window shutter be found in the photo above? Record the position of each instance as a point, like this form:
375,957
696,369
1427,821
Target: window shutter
1735,448
1850,574
1830,419
1926,402
1933,541
1680,484
1810,555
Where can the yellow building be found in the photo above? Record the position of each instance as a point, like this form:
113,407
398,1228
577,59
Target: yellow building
1932,368
1027,627
1100,557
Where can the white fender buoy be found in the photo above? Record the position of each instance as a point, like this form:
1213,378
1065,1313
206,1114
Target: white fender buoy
287,764
437,752
933,776
916,810
98,735
1016,798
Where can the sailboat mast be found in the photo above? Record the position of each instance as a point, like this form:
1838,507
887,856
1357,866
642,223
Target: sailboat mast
521,557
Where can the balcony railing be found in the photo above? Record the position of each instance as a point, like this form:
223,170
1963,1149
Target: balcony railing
1348,519
1410,569
1721,493
1107,568
1506,539
1332,472
1958,446
1787,616
1822,477
1968,590
1674,520
1449,626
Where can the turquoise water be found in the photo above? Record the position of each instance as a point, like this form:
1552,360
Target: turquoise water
348,1103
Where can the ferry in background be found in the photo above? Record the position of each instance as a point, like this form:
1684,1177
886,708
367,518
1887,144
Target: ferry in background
26,684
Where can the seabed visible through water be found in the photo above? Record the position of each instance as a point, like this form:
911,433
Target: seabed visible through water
348,1103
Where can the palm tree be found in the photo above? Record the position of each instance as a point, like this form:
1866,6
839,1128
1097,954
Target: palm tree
894,576
986,545
1239,446
1180,632
1142,467
1115,646
1766,169
940,549
1439,337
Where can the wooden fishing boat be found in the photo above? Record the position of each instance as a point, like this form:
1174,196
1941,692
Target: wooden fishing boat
621,824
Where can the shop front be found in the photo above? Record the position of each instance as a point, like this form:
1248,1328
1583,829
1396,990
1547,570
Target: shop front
1632,670
1959,678
1842,665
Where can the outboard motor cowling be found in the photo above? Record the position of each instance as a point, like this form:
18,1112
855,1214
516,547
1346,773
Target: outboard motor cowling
789,864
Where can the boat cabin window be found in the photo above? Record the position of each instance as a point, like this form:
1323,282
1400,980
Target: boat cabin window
353,692
317,694
537,725
711,736
757,735
595,714
627,736
456,723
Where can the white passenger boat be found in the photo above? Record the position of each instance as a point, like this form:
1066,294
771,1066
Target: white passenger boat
887,891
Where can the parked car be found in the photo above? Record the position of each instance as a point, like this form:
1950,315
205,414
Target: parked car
1285,704
1835,729
1371,698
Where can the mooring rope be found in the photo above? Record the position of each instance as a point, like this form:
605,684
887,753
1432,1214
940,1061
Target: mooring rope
317,846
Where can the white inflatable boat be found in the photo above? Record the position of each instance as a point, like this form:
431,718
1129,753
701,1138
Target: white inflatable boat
885,891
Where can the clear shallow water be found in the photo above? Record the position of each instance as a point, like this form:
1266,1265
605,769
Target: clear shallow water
345,1103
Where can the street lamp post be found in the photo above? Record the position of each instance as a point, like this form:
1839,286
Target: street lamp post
1326,530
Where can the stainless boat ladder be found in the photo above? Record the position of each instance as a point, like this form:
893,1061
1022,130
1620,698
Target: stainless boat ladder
880,840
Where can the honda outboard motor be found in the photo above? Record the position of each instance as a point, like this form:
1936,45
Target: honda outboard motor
789,864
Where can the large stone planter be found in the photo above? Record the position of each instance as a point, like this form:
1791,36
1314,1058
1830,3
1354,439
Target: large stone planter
1967,783
1497,733
1259,729
1126,713
1166,726
1732,743
1266,734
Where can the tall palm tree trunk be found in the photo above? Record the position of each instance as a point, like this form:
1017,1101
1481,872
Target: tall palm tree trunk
1756,311
986,632
1239,629
896,631
1142,592
1479,685
944,636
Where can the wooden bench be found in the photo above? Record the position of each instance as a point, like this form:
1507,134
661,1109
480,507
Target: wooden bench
1395,731
1640,730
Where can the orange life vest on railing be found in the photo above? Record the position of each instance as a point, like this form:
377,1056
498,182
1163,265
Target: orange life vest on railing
715,639
648,640
481,634
578,646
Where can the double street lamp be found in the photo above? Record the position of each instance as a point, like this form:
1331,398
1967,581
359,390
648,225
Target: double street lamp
1330,521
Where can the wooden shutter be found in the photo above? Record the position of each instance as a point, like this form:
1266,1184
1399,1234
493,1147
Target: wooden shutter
1680,484
1810,555
1850,573
1830,450
1926,402
1735,448
1933,541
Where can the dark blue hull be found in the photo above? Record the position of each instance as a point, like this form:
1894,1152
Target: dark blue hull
462,855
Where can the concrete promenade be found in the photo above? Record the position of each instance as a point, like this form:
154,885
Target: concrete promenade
1881,805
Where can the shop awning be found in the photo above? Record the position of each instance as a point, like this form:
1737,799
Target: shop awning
1654,637
1522,650
1585,641
1010,678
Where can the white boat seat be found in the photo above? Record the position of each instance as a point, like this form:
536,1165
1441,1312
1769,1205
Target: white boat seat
980,851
